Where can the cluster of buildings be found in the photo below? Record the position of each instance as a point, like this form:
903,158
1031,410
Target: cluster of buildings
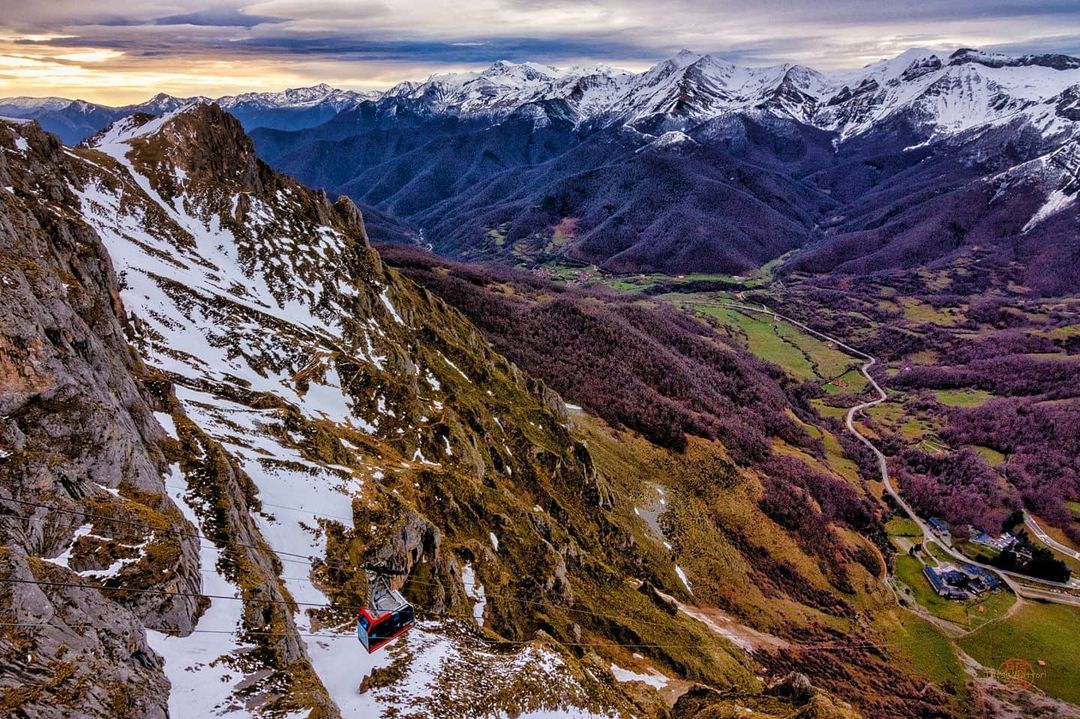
1000,543
939,526
960,582
941,529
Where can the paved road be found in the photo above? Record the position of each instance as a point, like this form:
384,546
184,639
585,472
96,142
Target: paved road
1010,578
1047,539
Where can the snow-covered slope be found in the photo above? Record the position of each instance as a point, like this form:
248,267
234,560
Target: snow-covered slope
323,414
949,94
254,287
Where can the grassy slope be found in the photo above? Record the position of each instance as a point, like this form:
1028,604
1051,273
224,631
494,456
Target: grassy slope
922,648
719,570
962,397
721,574
1037,631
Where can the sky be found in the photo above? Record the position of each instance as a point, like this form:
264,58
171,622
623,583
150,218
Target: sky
120,51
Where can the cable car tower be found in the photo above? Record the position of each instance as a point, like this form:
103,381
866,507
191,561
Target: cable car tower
387,615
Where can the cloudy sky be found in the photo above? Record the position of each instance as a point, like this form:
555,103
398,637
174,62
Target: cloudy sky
118,51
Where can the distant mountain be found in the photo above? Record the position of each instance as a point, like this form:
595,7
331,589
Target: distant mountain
292,109
700,165
696,164
298,108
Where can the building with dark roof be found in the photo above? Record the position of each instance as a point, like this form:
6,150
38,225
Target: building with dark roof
941,584
938,525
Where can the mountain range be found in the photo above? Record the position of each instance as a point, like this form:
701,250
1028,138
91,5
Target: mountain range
75,120
695,165
221,402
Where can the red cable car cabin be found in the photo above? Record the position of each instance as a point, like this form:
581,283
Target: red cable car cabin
386,617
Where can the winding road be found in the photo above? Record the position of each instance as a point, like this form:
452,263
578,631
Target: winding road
1055,590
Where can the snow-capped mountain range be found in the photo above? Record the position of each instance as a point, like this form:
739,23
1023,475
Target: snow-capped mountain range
948,92
701,165
75,120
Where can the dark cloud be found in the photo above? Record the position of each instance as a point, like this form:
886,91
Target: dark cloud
827,11
466,50
218,18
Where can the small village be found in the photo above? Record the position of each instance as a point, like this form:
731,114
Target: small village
962,581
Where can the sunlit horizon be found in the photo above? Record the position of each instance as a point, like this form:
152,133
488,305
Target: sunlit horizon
118,53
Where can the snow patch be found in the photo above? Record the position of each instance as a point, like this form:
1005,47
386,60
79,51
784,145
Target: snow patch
653,678
166,421
390,307
198,665
682,576
731,636
475,591
1055,202
63,559
418,456
446,360
674,137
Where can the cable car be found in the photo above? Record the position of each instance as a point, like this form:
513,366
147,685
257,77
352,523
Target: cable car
387,615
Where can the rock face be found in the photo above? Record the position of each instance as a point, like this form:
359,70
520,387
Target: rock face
794,686
78,439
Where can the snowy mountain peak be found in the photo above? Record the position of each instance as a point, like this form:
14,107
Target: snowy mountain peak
299,97
937,92
13,105
941,92
136,126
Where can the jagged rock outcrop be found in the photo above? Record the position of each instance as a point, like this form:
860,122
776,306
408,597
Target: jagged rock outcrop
795,686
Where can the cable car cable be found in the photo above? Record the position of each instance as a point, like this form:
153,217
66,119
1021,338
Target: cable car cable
171,535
